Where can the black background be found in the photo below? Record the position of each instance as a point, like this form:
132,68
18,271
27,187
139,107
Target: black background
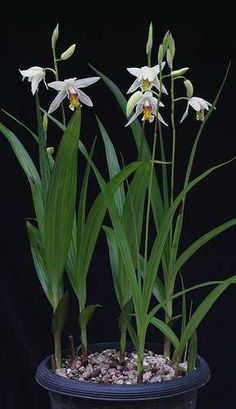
111,47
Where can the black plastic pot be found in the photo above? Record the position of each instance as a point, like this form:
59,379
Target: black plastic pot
180,393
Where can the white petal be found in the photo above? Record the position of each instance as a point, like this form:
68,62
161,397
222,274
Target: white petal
156,84
132,101
147,74
85,99
161,119
85,82
57,101
58,85
204,103
31,71
137,113
185,113
35,82
134,71
134,86
156,68
195,103
151,119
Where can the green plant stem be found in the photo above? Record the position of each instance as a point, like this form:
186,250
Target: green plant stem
57,79
140,154
57,349
140,353
172,183
84,342
123,336
149,197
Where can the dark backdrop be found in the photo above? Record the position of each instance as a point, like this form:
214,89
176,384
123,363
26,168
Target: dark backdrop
25,313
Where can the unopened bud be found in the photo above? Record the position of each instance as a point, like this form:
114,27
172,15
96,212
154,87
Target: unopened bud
169,58
55,36
150,40
50,150
181,71
45,122
68,53
189,88
160,54
172,46
165,41
132,102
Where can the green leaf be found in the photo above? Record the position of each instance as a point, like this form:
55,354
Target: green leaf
87,313
60,207
38,257
45,168
159,243
60,314
194,247
98,210
121,236
54,120
115,265
21,124
201,312
166,330
184,306
133,214
178,226
113,166
137,131
192,352
31,172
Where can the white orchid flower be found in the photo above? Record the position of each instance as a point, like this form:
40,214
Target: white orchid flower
199,105
70,88
35,76
147,105
146,78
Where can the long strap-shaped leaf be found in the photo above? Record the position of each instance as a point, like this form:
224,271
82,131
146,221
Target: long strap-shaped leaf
194,247
201,312
178,227
39,259
113,166
31,172
60,207
43,155
139,140
121,236
157,249
166,330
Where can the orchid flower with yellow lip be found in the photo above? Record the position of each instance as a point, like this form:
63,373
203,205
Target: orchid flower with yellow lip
35,75
147,105
146,78
199,105
70,88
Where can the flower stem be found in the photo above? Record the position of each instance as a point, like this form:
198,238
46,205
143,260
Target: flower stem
173,143
57,79
57,349
149,196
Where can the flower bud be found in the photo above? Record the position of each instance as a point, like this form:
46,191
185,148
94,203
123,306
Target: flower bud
50,150
150,40
165,41
172,46
45,122
68,53
132,102
181,71
55,36
189,88
169,58
160,54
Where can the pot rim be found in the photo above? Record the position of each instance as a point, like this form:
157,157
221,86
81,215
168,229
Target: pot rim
113,392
